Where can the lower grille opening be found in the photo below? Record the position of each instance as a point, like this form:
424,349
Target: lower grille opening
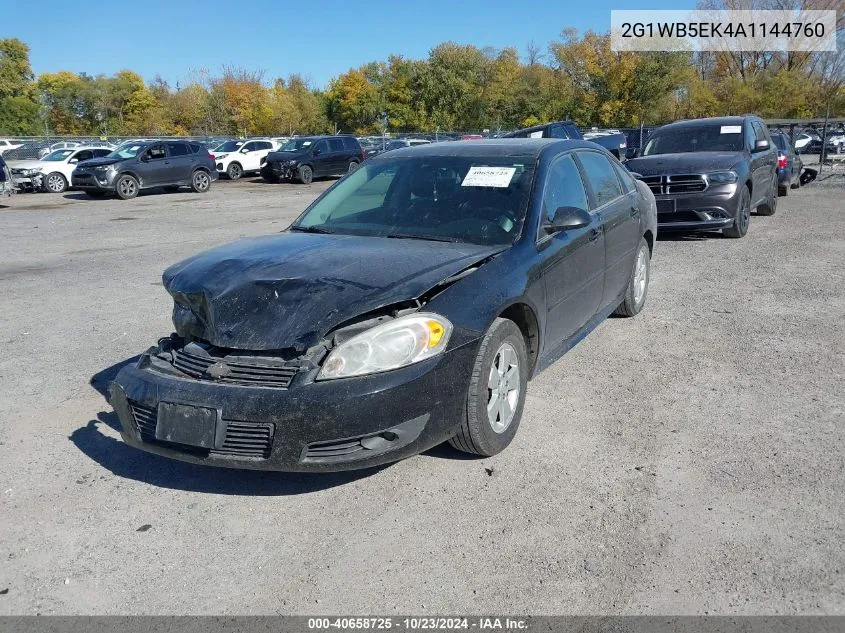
243,439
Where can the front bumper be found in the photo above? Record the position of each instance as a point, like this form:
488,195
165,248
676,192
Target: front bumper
91,179
279,171
712,209
312,426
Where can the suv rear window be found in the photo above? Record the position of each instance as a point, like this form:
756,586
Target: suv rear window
335,145
195,147
177,149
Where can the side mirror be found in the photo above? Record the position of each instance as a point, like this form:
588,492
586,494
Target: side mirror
635,175
568,219
73,161
761,146
145,158
244,151
632,152
317,151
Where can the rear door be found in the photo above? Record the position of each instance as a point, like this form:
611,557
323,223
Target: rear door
339,156
179,162
616,204
767,160
572,261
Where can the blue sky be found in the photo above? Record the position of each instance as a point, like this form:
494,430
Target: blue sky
318,39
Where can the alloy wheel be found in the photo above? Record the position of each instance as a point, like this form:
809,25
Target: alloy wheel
55,183
201,181
503,388
127,187
640,277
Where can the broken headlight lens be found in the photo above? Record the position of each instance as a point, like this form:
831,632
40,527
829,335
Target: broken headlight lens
398,343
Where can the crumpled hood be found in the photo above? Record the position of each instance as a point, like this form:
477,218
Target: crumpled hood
684,163
289,290
25,164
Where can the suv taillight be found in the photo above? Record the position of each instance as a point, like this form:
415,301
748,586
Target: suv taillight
362,155
211,156
782,160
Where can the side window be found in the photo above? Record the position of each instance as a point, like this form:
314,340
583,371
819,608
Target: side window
625,177
350,144
195,147
335,145
250,147
557,131
760,131
751,136
572,131
602,178
99,153
156,152
322,146
264,145
177,149
564,187
85,154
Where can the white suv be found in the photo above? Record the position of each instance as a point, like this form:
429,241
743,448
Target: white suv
236,158
52,172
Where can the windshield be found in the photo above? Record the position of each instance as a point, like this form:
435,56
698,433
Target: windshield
59,154
296,144
695,138
482,200
228,146
130,150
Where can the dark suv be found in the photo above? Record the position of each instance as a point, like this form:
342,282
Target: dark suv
146,164
710,173
309,157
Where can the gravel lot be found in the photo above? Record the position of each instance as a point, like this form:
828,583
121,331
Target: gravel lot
690,460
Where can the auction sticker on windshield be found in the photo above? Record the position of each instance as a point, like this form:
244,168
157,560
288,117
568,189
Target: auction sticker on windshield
488,177
731,129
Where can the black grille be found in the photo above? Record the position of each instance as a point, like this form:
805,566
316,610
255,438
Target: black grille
337,448
145,420
683,183
257,371
243,439
247,439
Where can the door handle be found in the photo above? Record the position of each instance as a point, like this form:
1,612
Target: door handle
594,234
635,211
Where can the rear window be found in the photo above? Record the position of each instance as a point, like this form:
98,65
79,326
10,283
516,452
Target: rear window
779,141
335,145
195,147
351,144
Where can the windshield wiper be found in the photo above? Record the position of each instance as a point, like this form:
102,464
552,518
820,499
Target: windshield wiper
311,229
416,236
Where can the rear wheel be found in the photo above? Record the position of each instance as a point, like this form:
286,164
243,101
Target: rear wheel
496,393
306,175
54,183
200,181
783,190
234,171
353,166
743,216
637,290
126,187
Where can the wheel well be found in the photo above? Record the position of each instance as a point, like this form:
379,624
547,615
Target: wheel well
234,162
649,239
526,321
202,168
748,184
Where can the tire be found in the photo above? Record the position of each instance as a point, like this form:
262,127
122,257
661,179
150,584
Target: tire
783,191
771,204
127,187
200,181
503,344
234,171
743,216
54,183
637,289
305,175
353,166
797,183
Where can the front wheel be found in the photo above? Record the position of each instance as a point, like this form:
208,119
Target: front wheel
306,175
743,216
637,290
234,171
127,187
496,393
771,205
201,181
55,183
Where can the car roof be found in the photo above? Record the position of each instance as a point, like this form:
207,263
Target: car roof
522,147
721,120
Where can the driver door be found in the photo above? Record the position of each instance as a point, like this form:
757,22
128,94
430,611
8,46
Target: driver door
153,167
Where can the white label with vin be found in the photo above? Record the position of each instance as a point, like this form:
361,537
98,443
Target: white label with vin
488,177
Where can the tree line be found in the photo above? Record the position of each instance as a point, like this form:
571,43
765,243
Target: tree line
457,87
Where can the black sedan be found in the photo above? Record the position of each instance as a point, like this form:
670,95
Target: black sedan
408,305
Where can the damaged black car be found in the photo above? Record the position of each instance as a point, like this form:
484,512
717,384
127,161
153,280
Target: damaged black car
407,306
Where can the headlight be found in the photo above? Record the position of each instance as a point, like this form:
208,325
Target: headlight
723,177
103,168
291,163
400,342
30,172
